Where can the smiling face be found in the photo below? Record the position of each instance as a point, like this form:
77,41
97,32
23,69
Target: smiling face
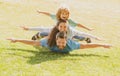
61,43
63,27
64,14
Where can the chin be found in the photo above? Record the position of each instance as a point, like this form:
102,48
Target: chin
64,19
61,48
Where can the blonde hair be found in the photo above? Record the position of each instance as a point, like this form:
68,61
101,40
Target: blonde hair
60,10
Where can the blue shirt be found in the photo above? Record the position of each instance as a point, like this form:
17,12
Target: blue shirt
70,46
71,22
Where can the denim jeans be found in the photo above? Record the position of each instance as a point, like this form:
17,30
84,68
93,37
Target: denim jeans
81,38
43,34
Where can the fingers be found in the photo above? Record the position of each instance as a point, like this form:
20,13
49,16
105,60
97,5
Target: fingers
21,27
91,29
100,39
11,39
107,46
8,39
24,27
38,11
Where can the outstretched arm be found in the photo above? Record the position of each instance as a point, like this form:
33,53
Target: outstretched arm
80,25
24,27
42,29
84,46
28,42
53,16
79,33
74,24
46,13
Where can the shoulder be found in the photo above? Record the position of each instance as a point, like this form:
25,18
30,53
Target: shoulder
73,44
70,20
72,23
52,15
70,41
43,42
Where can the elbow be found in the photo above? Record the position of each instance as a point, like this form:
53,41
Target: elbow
37,43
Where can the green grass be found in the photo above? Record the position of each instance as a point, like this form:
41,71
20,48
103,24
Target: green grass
23,60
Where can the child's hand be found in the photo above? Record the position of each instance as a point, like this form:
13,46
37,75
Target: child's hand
39,11
24,27
91,29
107,46
12,40
46,13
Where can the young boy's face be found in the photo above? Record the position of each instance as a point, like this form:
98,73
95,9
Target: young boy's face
63,27
64,15
61,43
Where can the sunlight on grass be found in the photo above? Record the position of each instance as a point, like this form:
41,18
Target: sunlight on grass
23,60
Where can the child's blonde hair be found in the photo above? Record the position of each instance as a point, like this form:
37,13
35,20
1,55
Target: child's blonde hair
61,9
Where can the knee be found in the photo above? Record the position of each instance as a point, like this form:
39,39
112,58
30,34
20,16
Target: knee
37,43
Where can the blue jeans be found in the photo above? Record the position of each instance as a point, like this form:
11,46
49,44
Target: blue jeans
43,34
81,38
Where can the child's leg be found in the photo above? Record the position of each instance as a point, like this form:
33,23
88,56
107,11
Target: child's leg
83,46
81,38
39,35
44,34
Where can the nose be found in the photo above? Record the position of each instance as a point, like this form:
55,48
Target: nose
60,44
62,29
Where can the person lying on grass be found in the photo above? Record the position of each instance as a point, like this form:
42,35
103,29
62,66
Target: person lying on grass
58,42
63,13
62,26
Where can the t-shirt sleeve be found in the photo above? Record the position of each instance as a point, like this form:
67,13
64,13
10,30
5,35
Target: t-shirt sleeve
72,23
74,45
43,42
53,16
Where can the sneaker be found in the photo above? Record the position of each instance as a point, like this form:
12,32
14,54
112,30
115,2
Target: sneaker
36,36
88,40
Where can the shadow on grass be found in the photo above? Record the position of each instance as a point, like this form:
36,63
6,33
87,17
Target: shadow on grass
42,55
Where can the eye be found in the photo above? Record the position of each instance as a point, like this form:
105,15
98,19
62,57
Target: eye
60,26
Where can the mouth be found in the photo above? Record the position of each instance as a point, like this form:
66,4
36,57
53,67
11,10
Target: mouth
61,48
64,17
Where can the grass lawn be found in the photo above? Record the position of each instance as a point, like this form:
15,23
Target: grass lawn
24,60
